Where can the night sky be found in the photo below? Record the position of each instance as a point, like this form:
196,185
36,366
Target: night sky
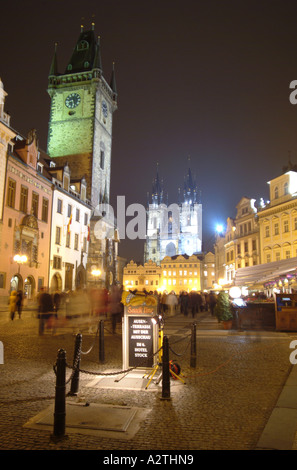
207,80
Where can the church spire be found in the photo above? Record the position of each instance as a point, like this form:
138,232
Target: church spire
157,190
190,187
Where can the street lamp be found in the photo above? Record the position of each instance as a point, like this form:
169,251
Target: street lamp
20,259
96,273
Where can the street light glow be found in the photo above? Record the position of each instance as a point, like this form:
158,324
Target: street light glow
20,258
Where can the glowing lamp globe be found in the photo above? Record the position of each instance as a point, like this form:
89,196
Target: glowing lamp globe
235,292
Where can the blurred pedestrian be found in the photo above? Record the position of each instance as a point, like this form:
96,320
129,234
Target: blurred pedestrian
212,302
12,303
45,309
19,302
56,301
171,302
115,306
184,301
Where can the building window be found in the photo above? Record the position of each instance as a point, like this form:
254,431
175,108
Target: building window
2,280
35,201
77,215
275,192
76,241
286,188
68,239
69,210
58,235
287,254
44,215
286,226
295,223
11,193
24,199
85,244
268,258
57,262
267,231
86,219
277,256
246,247
276,229
102,160
59,206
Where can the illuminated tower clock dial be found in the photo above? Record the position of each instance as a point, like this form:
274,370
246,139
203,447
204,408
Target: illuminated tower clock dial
72,100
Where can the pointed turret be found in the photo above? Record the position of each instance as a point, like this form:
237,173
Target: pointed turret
190,187
54,65
157,190
112,84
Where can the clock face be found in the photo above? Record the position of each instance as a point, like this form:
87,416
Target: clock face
104,109
72,100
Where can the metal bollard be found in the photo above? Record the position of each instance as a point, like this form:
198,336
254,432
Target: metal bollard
165,368
101,341
193,346
76,363
60,397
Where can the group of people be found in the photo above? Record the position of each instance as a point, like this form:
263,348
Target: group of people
188,303
81,305
16,303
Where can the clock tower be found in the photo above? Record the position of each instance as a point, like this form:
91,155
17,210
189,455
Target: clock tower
81,112
80,135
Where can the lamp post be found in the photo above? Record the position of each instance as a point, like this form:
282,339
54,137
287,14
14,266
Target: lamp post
96,273
20,259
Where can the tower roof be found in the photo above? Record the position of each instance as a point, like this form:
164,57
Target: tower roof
86,54
157,189
190,187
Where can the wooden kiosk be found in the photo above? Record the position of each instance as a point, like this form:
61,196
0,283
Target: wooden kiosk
140,331
286,312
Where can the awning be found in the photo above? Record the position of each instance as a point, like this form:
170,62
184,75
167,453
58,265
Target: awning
263,273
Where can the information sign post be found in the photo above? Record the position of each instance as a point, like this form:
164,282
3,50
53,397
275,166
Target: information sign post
140,337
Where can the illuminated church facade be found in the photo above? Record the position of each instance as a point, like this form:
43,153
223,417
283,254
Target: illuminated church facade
174,229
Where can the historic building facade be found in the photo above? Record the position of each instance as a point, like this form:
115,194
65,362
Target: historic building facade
175,229
278,220
26,219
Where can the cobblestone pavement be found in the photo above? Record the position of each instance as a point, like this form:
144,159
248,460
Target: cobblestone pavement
225,403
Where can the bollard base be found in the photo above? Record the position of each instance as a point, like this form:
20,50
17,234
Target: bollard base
165,398
57,439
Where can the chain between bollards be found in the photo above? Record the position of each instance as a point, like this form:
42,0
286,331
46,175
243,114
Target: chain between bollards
193,346
60,397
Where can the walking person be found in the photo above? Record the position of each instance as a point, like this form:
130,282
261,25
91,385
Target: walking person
12,303
45,308
19,302
212,302
115,307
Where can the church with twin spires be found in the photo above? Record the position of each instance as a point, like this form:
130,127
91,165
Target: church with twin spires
174,229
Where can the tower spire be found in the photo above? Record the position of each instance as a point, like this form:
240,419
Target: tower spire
54,65
113,85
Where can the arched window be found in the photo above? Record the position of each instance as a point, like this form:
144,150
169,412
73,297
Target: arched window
170,249
276,192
